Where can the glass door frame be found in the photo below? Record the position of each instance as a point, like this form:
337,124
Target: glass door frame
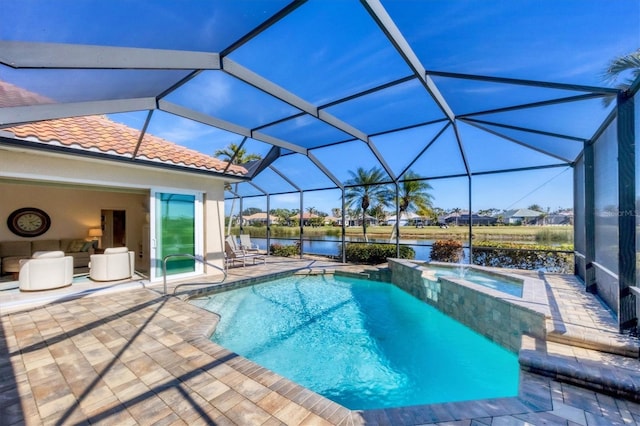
154,275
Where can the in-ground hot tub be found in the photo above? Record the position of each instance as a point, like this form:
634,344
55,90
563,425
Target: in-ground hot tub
502,316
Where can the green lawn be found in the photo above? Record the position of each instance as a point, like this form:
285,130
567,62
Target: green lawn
480,233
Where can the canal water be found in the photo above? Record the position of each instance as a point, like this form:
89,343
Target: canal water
330,245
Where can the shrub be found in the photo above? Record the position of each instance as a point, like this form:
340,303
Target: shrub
560,235
523,256
373,254
283,250
447,251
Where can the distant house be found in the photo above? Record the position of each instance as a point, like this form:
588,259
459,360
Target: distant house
462,218
406,219
521,217
307,218
558,219
330,220
259,218
357,220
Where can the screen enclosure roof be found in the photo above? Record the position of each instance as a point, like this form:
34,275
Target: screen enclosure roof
309,90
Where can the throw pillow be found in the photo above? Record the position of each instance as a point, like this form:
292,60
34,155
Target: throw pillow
76,246
86,246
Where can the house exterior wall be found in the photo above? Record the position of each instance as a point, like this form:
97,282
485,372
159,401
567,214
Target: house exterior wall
73,211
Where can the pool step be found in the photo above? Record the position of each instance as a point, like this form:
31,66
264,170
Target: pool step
609,373
585,337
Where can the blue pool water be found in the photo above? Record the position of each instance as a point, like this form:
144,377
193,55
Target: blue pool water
360,343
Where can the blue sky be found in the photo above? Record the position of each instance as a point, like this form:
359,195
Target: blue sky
328,49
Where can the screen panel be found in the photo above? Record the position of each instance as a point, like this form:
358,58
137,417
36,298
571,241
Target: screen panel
395,107
220,95
334,49
401,148
606,214
166,24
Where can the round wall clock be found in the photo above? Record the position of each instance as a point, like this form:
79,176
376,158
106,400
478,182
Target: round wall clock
28,222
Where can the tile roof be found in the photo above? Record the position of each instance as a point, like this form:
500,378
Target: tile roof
305,215
521,213
260,216
98,133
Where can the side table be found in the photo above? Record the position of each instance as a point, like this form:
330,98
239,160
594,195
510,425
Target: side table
12,264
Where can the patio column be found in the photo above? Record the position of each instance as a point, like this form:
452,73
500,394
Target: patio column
627,315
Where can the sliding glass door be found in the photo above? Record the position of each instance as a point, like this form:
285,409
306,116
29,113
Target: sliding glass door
176,228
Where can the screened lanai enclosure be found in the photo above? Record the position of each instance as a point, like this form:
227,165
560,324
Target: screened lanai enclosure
468,97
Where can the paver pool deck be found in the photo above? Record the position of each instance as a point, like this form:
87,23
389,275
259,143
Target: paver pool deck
135,356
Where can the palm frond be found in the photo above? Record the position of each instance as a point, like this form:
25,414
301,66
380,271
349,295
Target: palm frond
622,64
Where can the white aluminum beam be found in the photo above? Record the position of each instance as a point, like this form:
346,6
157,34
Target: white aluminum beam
225,125
282,94
384,21
324,170
285,178
279,142
267,86
31,113
17,54
202,118
339,124
382,161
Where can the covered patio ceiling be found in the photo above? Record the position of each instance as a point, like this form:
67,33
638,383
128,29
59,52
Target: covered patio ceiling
316,88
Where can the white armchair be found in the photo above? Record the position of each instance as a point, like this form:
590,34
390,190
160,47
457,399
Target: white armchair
116,263
45,270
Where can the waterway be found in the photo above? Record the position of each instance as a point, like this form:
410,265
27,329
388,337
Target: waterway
330,245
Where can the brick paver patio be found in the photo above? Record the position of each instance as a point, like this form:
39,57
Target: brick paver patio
137,357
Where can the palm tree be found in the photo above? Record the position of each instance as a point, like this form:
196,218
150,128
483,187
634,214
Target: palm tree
413,196
619,66
457,211
311,220
366,189
236,155
378,212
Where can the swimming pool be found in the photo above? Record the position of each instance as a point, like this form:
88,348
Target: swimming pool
361,343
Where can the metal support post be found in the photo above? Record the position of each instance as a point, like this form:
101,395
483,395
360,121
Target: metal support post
627,315
589,219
